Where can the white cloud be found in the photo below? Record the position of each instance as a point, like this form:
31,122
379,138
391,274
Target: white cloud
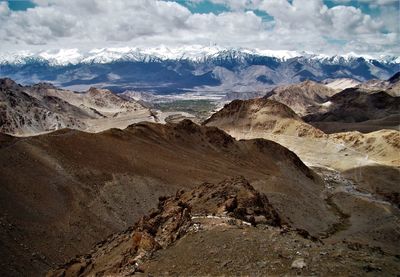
311,20
4,10
301,25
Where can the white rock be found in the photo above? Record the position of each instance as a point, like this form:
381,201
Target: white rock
299,263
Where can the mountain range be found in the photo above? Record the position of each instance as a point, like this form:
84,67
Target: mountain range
88,187
207,69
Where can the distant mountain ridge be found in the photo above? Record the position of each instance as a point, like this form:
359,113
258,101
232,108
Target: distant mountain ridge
193,53
163,70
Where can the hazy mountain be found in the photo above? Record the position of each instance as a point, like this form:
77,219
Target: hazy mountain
358,109
304,98
340,83
391,85
203,69
23,114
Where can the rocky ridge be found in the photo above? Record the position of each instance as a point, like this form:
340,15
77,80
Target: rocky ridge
261,115
234,200
77,188
224,228
303,98
31,110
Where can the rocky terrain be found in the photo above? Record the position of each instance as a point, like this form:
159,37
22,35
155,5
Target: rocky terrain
263,118
361,171
225,228
98,202
74,189
30,110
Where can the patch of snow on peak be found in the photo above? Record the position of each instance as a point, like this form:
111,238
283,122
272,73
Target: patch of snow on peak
280,54
61,56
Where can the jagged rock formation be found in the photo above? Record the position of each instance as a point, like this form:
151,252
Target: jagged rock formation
123,254
206,231
30,110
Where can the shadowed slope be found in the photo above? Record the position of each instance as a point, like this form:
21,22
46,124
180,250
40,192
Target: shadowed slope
63,191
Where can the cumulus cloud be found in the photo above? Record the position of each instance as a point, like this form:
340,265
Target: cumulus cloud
312,20
297,25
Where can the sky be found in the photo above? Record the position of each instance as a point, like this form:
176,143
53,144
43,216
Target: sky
319,26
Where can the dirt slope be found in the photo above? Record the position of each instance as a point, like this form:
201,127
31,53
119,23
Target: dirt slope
225,228
340,83
61,192
361,172
382,146
303,98
263,118
358,109
241,117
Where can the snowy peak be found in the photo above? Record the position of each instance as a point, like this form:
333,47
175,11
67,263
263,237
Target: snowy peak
193,53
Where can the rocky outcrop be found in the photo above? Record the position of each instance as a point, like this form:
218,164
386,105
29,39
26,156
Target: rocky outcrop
123,254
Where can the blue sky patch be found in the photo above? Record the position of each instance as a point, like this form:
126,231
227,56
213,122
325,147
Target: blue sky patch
19,5
203,7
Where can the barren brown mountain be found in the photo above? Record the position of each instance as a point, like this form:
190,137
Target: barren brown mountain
356,109
340,83
391,85
303,98
41,108
263,118
225,228
261,115
64,191
348,162
70,192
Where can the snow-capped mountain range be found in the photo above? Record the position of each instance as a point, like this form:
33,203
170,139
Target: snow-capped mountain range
62,57
164,70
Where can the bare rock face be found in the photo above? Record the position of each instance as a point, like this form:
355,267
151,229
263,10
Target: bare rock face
22,114
41,108
235,198
123,254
